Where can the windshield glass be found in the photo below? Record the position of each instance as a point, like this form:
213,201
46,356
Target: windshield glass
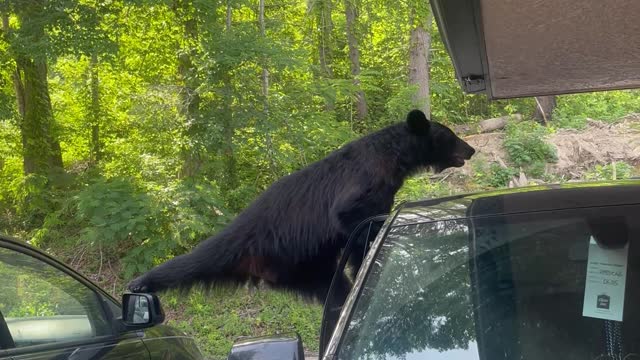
527,286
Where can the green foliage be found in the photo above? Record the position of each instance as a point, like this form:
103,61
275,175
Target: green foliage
32,198
493,175
24,294
421,187
221,316
608,106
614,171
113,210
10,162
189,138
141,226
525,144
400,102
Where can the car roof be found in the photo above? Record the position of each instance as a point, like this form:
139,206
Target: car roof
521,200
509,49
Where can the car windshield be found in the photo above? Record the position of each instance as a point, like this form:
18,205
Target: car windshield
546,285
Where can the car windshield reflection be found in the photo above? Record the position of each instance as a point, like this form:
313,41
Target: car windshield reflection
506,287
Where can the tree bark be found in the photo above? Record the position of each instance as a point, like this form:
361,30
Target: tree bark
265,71
229,161
228,18
189,97
265,93
419,45
323,9
95,109
544,108
40,147
351,14
18,87
325,23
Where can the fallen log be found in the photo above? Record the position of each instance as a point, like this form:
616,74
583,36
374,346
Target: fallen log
488,125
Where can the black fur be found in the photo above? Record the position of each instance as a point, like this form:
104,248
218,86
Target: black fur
292,234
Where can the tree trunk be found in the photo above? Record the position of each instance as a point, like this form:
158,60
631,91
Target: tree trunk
544,108
95,109
351,14
325,51
265,71
228,19
322,9
18,87
40,147
419,45
265,93
227,120
190,99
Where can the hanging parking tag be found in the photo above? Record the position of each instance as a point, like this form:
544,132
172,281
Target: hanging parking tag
605,283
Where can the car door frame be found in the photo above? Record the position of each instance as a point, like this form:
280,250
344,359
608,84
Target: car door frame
335,335
118,334
331,310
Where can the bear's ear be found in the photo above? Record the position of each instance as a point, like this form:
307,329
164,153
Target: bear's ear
418,122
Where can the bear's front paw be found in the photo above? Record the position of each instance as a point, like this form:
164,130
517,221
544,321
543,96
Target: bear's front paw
140,285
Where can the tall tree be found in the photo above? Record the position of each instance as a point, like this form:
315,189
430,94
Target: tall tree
322,10
41,149
265,91
94,110
351,15
228,127
419,46
187,73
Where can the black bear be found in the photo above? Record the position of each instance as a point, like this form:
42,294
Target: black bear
292,234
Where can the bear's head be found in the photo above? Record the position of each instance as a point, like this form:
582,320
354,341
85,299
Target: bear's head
438,146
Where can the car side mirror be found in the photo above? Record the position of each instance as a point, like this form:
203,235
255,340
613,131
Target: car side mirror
268,348
141,311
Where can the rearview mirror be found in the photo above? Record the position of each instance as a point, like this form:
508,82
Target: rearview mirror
268,348
610,232
141,311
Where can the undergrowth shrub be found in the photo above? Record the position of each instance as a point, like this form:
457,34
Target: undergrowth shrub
621,169
492,175
141,225
573,110
526,147
32,199
220,316
420,188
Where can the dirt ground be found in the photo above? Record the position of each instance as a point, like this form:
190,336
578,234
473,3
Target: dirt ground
578,150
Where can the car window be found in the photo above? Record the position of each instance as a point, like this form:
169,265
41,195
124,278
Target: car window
42,305
507,287
353,255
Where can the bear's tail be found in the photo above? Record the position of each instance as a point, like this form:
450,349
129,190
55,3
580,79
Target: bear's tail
211,262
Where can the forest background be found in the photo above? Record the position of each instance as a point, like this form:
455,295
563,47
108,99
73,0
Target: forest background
130,130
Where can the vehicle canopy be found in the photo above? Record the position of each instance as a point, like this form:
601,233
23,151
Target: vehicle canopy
523,48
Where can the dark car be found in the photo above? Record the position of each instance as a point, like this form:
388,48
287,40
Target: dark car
49,311
546,272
